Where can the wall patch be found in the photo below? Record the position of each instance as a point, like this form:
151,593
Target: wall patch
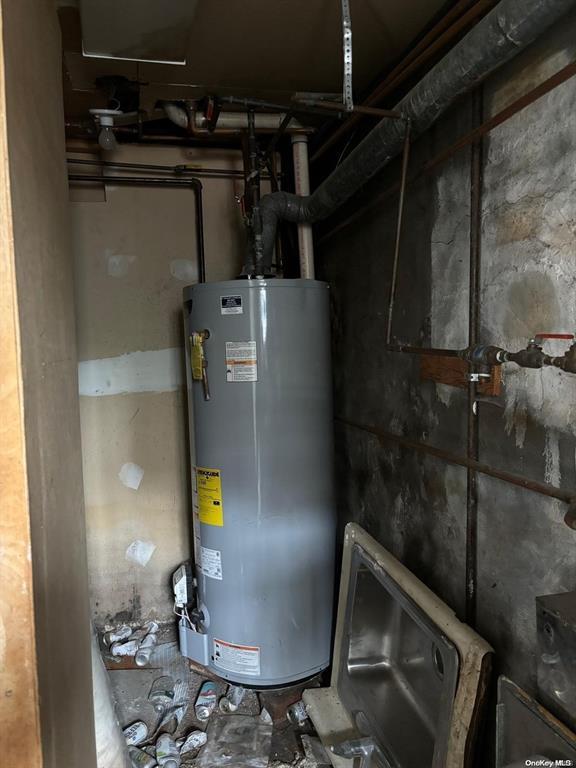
184,270
131,475
140,552
155,370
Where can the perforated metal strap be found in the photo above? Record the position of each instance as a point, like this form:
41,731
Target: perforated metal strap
347,48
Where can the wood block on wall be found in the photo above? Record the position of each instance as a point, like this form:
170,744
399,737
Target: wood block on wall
454,372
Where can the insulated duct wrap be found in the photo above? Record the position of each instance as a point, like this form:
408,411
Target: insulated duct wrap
507,29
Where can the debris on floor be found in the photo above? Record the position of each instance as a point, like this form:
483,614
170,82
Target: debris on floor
237,741
139,643
206,701
315,755
232,700
136,733
172,712
193,741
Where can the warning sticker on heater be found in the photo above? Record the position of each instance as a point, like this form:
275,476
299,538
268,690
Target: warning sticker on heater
242,659
241,363
209,491
211,563
231,305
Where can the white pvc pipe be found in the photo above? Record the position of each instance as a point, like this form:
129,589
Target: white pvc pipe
302,187
229,121
269,121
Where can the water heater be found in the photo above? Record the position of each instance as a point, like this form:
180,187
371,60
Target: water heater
260,405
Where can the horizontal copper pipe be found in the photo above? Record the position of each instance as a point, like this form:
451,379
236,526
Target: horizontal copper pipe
568,497
512,109
443,33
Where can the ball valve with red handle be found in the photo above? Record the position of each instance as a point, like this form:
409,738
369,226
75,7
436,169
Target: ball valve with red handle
535,357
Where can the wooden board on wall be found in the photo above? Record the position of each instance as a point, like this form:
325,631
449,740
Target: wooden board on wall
19,711
454,372
45,605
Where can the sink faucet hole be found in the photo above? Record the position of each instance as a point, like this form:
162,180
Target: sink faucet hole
438,661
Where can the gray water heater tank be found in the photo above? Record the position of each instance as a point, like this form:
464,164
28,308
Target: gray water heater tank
260,401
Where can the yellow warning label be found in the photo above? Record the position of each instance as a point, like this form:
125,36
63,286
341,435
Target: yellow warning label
209,488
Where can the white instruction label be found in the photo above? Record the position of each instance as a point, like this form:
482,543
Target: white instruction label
241,363
211,563
243,659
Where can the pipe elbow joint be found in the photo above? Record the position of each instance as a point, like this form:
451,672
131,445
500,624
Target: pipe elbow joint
487,355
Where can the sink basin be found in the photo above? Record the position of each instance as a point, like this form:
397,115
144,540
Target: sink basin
398,670
408,678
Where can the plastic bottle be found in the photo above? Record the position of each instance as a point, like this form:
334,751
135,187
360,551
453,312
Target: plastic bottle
206,701
233,699
167,753
162,693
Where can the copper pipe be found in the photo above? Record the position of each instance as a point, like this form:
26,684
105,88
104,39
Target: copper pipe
144,181
447,30
551,491
472,442
179,171
512,109
428,351
334,106
394,278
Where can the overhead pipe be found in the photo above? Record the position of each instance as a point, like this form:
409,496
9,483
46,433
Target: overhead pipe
150,181
496,39
180,171
460,17
302,187
228,122
545,87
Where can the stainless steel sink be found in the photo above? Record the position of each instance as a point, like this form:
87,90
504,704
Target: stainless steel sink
407,675
399,671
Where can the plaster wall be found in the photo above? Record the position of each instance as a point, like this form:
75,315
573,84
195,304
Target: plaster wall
135,250
416,505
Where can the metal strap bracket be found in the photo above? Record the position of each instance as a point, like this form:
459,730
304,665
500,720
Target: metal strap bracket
347,94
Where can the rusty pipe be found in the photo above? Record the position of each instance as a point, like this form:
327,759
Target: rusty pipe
545,489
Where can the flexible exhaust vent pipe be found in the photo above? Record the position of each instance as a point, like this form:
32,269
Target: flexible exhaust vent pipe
505,31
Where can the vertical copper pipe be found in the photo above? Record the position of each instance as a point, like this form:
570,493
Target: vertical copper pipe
476,180
151,181
394,279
